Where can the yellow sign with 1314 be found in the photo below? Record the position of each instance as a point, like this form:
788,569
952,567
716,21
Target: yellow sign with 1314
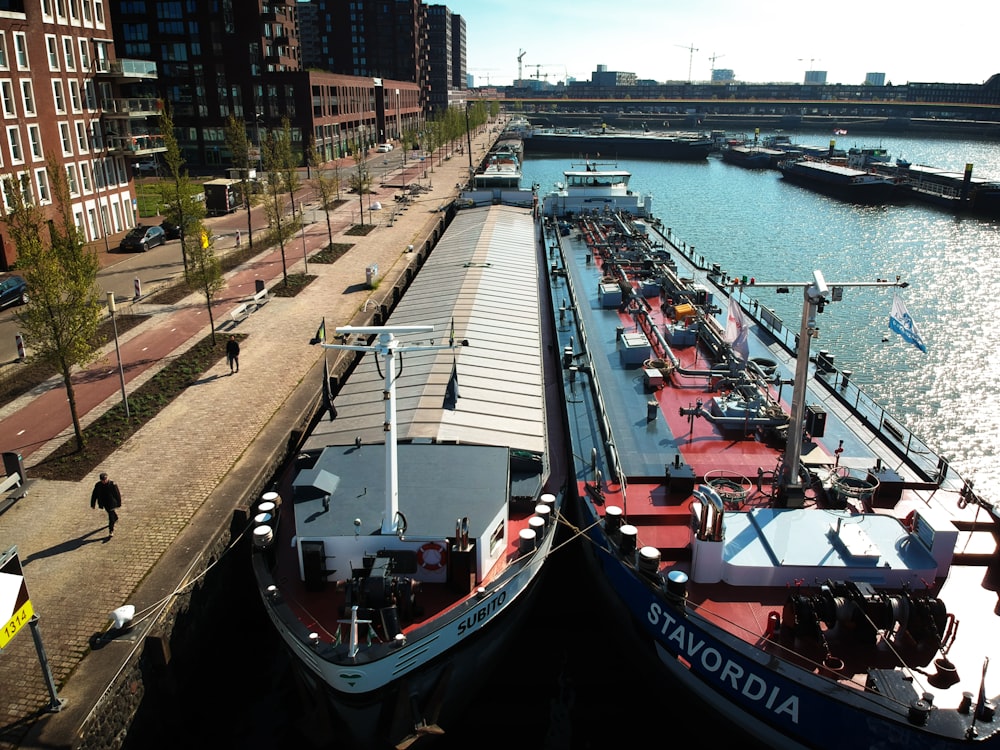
15,606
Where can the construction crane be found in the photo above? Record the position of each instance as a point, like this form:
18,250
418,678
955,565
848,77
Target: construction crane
713,57
691,50
539,66
520,56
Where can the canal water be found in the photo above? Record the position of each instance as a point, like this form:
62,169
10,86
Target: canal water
573,680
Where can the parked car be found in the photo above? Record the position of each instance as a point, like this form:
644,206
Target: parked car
384,148
13,291
171,231
146,167
142,238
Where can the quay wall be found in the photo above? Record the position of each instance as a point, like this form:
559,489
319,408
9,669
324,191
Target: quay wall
148,671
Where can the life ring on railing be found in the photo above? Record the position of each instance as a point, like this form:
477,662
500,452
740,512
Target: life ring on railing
432,556
910,521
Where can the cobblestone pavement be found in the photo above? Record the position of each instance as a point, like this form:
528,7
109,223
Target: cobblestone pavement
180,473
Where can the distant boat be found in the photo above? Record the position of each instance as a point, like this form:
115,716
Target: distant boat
617,144
842,182
752,156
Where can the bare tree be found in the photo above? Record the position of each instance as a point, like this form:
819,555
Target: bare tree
275,203
361,180
205,274
239,146
288,162
64,309
177,191
328,188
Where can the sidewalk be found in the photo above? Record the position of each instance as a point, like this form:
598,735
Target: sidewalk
184,473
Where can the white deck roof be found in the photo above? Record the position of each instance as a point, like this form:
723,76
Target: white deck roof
483,274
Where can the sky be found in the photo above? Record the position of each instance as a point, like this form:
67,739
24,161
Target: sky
667,40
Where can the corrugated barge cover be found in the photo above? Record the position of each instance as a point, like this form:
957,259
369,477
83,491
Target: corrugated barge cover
483,274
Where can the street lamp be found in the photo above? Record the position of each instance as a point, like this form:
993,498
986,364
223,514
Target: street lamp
118,351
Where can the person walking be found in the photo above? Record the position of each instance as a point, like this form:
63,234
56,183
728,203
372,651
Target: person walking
233,354
108,497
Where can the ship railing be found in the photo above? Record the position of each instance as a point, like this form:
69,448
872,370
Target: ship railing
914,451
611,453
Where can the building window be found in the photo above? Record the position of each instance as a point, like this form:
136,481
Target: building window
99,12
47,9
69,57
21,50
42,180
4,62
71,180
35,141
7,93
88,12
57,97
82,142
74,96
85,177
84,54
64,137
28,95
14,139
61,10
52,49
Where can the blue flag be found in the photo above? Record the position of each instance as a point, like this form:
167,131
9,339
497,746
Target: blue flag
331,410
451,390
900,322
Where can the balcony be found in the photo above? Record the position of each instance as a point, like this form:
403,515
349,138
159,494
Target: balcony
136,145
126,70
132,107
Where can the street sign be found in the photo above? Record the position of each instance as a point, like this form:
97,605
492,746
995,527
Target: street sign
15,606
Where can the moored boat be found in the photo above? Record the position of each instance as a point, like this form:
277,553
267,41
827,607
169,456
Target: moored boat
751,156
404,543
501,169
839,181
616,145
794,558
955,191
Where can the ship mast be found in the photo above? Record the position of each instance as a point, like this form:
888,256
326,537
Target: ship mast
816,295
385,346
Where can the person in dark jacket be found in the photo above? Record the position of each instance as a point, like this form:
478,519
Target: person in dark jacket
108,497
233,354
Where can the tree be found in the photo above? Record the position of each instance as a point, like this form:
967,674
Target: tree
177,190
205,274
328,188
271,152
64,309
361,180
289,164
239,146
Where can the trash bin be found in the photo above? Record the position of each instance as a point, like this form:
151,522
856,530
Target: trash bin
371,274
13,464
259,285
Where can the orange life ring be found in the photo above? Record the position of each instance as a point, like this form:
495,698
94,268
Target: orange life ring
432,556
910,521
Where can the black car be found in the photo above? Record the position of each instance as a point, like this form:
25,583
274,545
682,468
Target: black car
173,231
13,291
142,238
170,230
